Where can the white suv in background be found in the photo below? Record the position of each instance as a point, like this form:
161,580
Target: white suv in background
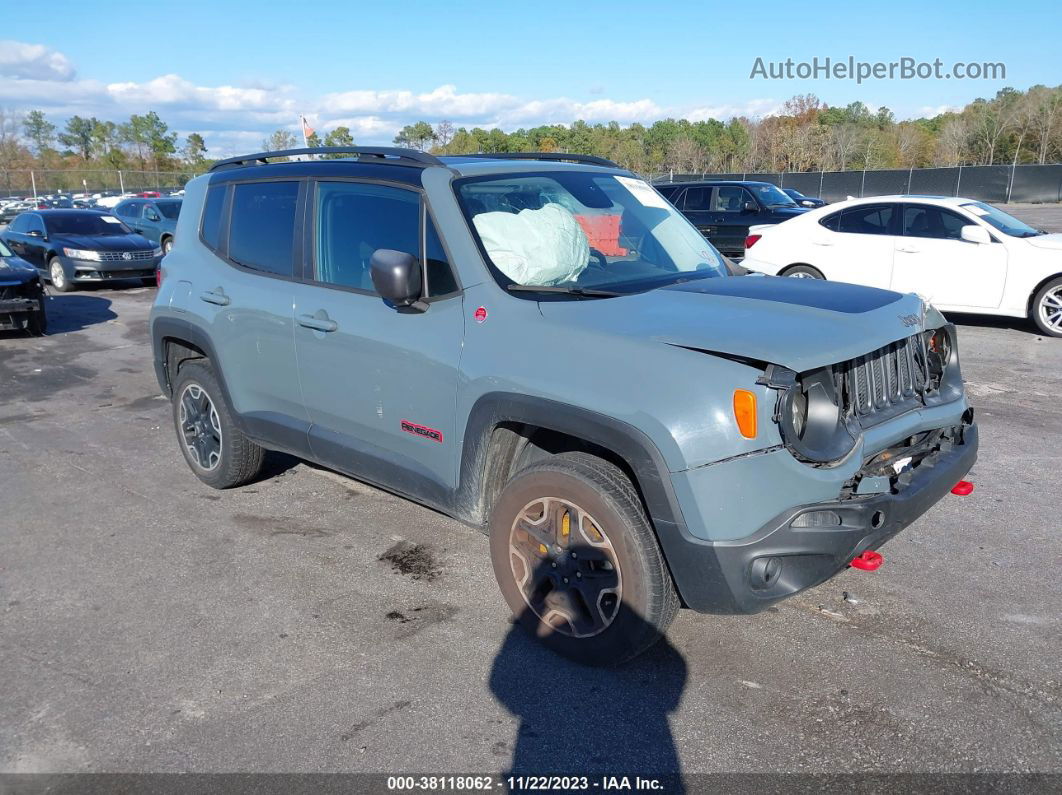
962,255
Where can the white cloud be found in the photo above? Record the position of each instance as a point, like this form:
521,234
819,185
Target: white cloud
34,62
753,108
235,119
929,111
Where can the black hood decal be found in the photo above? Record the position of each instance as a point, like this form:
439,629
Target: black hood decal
852,299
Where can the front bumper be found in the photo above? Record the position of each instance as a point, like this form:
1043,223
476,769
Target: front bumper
88,271
748,575
15,311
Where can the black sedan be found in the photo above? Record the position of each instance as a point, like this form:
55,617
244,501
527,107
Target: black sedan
21,295
804,201
71,247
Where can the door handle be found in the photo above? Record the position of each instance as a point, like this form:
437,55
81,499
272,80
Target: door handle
318,323
215,297
908,250
821,243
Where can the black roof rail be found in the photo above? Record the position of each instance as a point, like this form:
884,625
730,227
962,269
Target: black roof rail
563,157
381,154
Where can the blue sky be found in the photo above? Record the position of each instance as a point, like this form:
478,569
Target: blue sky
234,71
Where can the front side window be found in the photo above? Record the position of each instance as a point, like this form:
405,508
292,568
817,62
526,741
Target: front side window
169,210
730,199
90,224
4,250
437,264
873,219
926,221
129,210
581,229
20,224
353,221
262,226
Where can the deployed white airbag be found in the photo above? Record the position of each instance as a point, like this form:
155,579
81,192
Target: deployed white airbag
540,247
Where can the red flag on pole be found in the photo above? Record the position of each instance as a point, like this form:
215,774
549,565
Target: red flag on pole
307,130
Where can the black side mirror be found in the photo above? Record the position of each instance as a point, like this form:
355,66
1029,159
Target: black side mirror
396,277
749,207
35,233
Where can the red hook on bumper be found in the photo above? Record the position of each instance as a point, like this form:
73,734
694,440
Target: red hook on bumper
869,560
962,488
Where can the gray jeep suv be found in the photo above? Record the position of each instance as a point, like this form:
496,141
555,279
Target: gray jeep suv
542,346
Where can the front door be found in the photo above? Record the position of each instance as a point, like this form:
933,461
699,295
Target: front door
379,384
934,261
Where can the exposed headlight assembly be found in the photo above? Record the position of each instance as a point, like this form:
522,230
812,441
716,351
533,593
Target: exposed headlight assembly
810,416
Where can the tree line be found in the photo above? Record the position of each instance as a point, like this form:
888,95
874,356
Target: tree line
805,135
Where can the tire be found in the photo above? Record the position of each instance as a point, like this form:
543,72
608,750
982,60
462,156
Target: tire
1046,308
37,324
803,272
215,449
57,276
167,245
620,560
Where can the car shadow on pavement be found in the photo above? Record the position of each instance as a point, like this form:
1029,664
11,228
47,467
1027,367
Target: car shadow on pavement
992,321
577,720
76,312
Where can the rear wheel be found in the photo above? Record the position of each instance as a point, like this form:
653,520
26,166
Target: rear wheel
58,276
1047,308
577,561
215,449
803,272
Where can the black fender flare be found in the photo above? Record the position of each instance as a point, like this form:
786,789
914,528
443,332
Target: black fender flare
179,330
691,573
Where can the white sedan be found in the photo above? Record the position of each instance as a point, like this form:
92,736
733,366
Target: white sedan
960,254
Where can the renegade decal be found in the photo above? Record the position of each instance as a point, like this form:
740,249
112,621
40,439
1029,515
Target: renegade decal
423,431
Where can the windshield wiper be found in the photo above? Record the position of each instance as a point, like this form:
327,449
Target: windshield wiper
581,292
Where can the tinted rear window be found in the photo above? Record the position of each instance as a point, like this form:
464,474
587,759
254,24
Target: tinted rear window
262,226
211,226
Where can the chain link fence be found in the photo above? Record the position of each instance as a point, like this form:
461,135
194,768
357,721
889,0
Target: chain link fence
999,184
41,182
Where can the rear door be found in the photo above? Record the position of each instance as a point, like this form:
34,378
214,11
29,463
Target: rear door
856,245
380,385
696,205
246,300
933,260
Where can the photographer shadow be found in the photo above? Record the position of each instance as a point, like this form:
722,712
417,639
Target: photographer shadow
576,720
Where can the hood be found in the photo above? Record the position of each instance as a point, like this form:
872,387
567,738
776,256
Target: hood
104,242
796,323
15,271
1052,242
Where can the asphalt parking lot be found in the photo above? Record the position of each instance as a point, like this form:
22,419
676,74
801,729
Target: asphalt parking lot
152,624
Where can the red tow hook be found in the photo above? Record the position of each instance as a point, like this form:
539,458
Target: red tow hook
868,560
962,488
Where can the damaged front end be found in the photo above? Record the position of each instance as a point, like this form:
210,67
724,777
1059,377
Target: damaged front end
21,303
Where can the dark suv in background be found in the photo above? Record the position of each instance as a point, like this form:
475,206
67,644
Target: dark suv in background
723,210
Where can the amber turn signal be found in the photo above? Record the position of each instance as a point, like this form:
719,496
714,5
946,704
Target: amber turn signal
745,412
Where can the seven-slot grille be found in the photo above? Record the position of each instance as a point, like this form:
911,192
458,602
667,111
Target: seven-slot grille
119,256
886,377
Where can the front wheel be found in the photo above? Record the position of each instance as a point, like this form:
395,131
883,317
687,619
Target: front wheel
58,276
577,561
803,272
1047,308
167,245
